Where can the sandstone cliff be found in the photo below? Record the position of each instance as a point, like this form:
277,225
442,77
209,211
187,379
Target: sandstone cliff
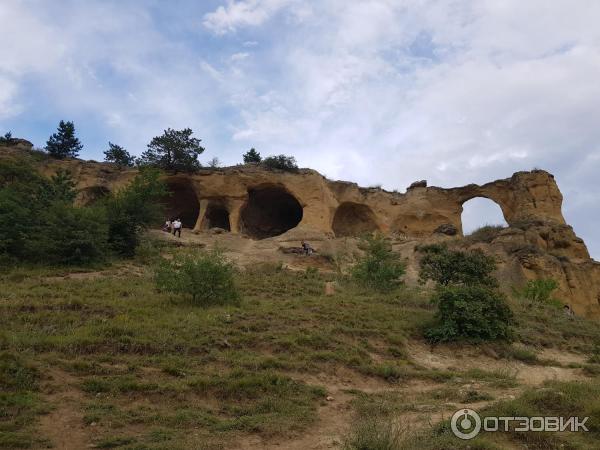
262,204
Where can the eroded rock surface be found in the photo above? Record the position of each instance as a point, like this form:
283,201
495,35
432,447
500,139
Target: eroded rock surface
263,204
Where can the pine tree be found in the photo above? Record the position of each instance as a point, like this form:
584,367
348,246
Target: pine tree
175,150
7,139
252,156
63,143
118,155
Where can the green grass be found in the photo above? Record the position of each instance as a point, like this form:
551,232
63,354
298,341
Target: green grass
20,403
126,343
155,371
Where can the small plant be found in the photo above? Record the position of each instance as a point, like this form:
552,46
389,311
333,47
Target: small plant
207,278
486,233
281,162
470,312
375,433
379,268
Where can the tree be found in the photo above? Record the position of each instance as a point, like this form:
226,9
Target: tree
66,234
281,162
118,155
214,163
252,156
380,268
64,143
7,139
446,266
175,150
60,188
132,209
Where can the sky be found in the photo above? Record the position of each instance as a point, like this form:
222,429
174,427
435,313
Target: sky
380,92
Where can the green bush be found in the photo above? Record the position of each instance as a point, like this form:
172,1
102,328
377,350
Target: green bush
66,234
470,312
539,291
486,233
379,268
207,278
447,267
281,162
40,224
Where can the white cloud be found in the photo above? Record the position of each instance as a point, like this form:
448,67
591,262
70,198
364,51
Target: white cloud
243,13
375,91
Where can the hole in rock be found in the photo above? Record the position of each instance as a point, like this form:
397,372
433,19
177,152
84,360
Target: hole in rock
270,211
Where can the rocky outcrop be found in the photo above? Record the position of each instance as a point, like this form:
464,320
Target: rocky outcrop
259,204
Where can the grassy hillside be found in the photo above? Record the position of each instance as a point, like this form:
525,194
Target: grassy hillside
101,358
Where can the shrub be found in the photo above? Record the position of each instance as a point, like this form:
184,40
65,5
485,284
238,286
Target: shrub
486,233
207,278
379,268
68,235
470,312
539,291
281,162
446,266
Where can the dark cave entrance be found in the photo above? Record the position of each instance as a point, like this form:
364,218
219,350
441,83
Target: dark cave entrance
182,202
270,211
353,219
216,216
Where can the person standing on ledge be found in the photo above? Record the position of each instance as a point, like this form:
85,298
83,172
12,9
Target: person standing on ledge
177,227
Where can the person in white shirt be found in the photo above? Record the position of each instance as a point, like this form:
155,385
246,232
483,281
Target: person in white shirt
177,227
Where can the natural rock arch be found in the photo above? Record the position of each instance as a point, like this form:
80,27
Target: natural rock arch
216,216
477,207
269,211
182,202
353,219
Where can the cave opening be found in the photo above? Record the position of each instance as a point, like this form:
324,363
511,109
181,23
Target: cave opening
182,202
270,211
353,219
216,216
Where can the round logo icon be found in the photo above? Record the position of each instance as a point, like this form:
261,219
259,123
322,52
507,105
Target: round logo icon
465,424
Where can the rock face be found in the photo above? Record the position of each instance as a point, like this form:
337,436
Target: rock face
261,204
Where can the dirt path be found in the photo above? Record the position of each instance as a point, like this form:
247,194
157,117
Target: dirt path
335,416
64,425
